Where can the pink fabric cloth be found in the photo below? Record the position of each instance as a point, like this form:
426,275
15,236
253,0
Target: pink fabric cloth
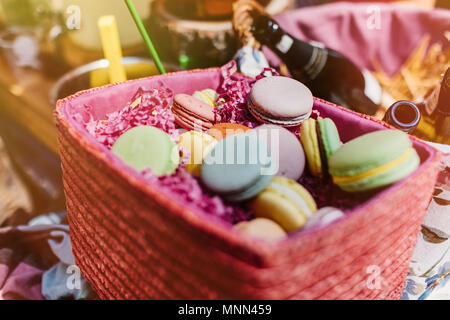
25,255
23,283
343,26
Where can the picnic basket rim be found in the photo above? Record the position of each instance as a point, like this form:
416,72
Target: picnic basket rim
210,225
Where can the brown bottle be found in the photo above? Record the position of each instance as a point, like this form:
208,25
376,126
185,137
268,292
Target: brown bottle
435,108
327,73
403,115
441,116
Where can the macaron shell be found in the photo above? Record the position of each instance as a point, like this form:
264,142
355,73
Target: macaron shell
208,95
199,145
148,147
280,207
310,142
261,228
299,190
284,122
228,171
369,151
190,122
212,94
281,97
330,136
252,191
193,114
386,178
324,217
221,131
291,157
194,106
273,205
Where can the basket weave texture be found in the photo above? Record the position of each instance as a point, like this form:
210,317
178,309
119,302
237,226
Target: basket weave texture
133,242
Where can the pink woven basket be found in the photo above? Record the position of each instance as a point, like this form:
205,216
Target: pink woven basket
133,242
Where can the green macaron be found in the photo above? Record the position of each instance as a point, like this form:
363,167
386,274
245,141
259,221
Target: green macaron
148,147
320,139
238,168
373,160
329,136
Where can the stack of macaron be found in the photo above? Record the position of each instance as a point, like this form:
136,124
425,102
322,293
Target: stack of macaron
369,162
260,168
272,100
242,164
200,126
192,113
196,112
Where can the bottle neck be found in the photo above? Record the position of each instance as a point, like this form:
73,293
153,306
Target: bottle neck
443,105
300,55
403,115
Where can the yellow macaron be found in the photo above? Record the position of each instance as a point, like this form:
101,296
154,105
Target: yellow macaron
199,145
261,228
286,202
209,96
310,142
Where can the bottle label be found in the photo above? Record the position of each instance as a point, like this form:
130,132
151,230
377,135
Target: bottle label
317,62
372,89
317,44
430,102
285,43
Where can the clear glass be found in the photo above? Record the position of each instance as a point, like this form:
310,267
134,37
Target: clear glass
24,13
29,27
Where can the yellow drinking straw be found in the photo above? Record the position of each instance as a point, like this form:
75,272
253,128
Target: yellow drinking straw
111,48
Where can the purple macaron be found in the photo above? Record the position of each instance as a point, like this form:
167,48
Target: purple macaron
285,149
281,101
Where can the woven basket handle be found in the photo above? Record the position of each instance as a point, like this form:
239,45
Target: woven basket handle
243,13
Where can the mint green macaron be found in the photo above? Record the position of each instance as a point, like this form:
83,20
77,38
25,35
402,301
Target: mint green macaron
238,168
373,160
148,147
329,136
320,139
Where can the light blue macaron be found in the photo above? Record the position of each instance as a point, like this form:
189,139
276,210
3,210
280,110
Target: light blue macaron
238,168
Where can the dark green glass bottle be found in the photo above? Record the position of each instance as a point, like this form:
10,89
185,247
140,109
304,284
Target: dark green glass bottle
328,74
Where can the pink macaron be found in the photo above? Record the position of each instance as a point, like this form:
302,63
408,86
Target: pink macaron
193,114
281,101
285,149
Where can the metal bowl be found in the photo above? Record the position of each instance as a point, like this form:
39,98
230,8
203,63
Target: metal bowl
95,74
